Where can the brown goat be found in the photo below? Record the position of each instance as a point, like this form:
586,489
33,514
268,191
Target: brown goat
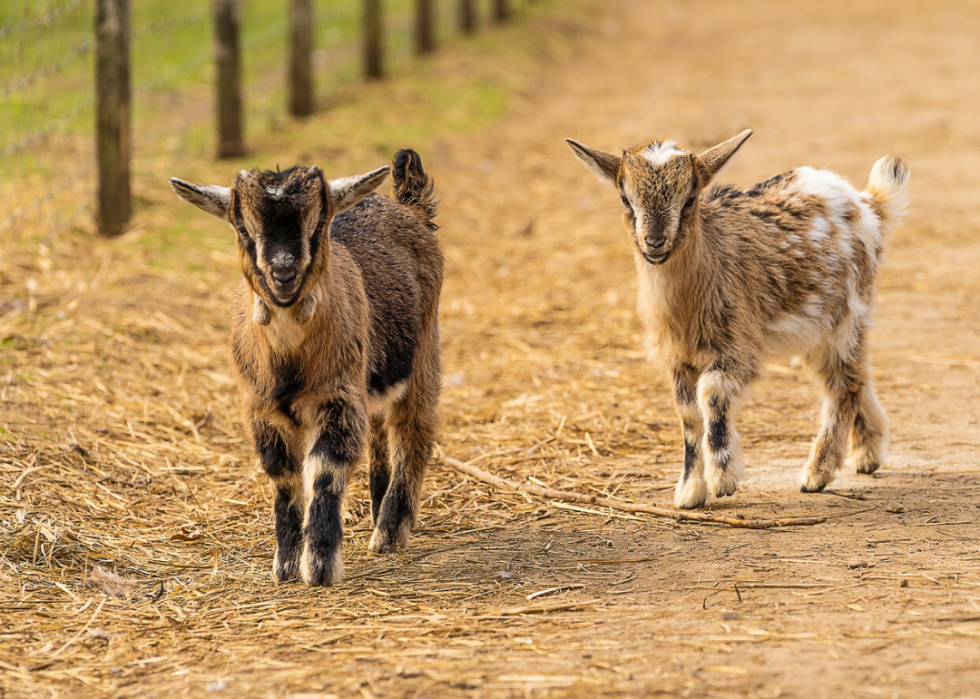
729,277
334,338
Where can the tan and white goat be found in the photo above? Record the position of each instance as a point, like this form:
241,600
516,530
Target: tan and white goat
334,337
729,278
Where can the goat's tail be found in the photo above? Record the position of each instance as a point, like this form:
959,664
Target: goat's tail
412,186
889,187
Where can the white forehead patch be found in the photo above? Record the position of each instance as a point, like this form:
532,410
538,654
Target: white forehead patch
274,191
660,153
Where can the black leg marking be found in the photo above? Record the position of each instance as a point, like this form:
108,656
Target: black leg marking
272,451
718,432
282,468
342,438
396,510
690,458
324,531
691,490
684,388
289,535
412,427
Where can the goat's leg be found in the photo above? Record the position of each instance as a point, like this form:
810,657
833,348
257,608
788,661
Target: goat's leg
843,382
869,435
692,489
334,447
284,471
718,392
380,465
411,429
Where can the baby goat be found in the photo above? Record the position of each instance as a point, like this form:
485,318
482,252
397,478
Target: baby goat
728,278
334,327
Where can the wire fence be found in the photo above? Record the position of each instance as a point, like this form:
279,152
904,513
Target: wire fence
47,93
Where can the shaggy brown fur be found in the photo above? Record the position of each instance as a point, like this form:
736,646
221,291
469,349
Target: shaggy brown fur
729,277
334,327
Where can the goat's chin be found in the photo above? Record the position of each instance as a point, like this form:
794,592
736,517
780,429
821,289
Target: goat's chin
657,258
282,298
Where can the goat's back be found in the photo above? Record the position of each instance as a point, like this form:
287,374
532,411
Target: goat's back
804,249
400,265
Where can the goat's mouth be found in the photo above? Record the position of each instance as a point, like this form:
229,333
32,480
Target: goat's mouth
656,258
284,295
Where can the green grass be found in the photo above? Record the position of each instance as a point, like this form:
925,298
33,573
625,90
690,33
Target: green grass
467,86
47,68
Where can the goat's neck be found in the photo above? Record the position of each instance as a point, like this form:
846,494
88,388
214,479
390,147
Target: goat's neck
288,328
681,282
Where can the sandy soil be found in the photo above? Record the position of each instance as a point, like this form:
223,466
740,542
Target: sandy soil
545,378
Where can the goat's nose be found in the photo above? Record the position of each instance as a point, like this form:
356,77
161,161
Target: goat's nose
284,276
656,242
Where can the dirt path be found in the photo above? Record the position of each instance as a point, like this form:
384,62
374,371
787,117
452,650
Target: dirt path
545,378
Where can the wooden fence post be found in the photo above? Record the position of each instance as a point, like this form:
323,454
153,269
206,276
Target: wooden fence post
467,16
301,58
425,36
373,40
112,106
501,10
227,56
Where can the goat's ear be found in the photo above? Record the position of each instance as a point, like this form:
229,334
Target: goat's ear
603,165
207,197
714,159
347,191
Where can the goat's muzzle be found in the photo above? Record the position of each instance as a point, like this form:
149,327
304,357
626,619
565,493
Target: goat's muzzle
284,283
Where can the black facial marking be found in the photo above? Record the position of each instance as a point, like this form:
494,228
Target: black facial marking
341,439
288,383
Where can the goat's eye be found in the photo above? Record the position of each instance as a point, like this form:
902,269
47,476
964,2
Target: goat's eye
690,202
242,232
626,203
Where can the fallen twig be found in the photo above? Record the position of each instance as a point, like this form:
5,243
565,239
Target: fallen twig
540,609
567,496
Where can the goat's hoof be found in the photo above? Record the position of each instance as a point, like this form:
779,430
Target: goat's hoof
389,540
286,567
285,571
814,481
867,467
322,569
691,493
725,484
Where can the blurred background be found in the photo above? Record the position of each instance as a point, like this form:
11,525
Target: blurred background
267,60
